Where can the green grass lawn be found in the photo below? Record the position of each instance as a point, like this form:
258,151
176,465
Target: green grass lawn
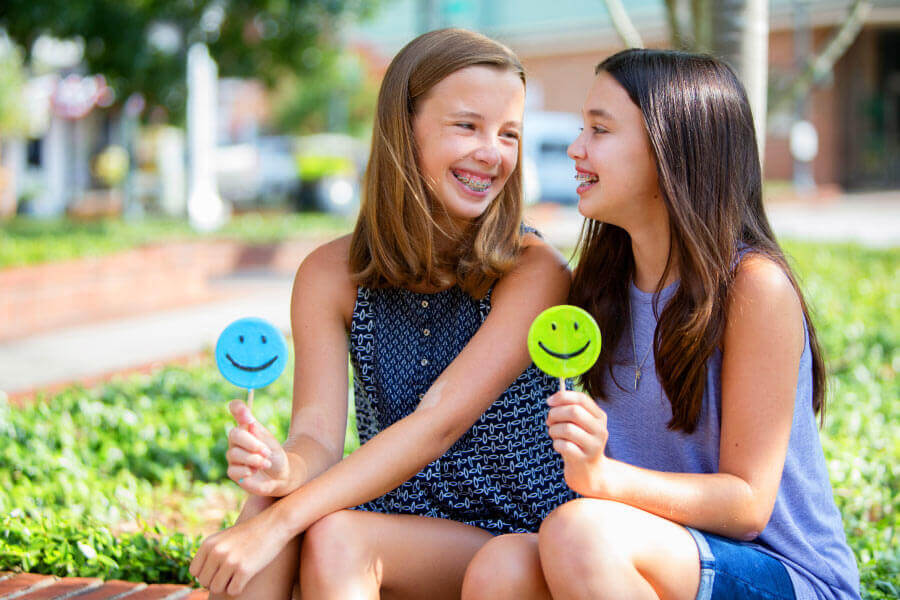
27,241
121,480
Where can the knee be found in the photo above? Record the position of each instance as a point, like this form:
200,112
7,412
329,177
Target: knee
506,567
579,529
329,546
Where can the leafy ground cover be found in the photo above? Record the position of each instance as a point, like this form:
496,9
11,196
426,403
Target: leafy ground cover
26,241
122,480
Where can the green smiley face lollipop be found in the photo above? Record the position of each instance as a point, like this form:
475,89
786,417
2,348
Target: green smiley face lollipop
564,341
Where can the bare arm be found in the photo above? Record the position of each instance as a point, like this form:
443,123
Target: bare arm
494,357
762,346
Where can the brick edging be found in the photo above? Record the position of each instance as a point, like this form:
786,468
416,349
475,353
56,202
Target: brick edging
31,586
58,294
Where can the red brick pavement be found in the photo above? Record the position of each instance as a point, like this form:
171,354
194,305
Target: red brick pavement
29,586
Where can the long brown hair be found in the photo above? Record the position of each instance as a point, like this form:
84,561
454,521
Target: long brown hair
700,128
393,243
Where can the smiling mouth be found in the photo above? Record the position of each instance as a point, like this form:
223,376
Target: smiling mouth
265,365
565,355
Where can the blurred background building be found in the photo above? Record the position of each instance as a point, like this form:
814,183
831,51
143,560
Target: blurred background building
92,121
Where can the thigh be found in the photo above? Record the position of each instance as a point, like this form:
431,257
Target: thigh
663,552
418,557
730,569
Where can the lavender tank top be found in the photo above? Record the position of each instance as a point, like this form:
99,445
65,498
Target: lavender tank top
805,531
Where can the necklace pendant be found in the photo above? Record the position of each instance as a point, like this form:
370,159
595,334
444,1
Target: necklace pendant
637,377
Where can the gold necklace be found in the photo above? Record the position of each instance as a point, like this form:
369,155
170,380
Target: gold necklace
637,367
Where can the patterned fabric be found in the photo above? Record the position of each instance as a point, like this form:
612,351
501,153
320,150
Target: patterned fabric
503,474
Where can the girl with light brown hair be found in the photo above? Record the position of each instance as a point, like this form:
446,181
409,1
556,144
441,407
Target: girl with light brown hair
435,290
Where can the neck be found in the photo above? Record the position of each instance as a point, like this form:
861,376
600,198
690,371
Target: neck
650,247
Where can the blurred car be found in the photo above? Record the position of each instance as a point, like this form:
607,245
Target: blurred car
546,138
330,167
260,173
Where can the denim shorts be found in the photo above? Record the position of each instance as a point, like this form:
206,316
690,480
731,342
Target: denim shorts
731,570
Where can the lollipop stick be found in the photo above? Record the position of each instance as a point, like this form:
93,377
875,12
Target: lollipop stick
250,399
562,384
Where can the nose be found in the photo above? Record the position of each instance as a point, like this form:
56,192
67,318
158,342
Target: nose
488,153
575,151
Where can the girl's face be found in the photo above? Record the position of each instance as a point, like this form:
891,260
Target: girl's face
467,130
614,163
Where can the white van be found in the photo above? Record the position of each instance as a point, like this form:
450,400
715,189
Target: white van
546,137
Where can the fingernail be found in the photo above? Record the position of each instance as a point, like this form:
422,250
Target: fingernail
241,480
267,464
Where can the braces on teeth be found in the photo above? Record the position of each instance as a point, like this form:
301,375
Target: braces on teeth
475,183
585,178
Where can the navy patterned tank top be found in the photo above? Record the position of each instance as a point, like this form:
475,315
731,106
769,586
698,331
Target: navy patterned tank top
502,475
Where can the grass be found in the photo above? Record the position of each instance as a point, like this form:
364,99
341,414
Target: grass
122,480
28,241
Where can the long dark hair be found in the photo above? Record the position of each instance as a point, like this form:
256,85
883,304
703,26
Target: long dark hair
701,131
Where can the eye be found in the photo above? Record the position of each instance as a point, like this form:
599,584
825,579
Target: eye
466,125
513,135
241,339
575,325
263,338
553,326
598,129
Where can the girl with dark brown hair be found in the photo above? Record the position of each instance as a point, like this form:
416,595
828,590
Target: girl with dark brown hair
434,290
699,462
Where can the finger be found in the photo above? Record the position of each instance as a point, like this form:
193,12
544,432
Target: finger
238,581
568,450
240,437
240,457
210,566
579,398
241,412
574,413
221,579
569,432
239,474
197,564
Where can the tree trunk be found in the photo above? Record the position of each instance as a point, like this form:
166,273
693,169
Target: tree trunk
741,38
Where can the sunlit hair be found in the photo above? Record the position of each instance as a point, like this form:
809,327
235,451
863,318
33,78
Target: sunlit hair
700,128
393,243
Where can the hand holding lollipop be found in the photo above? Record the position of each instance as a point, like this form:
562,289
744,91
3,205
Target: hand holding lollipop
564,341
251,353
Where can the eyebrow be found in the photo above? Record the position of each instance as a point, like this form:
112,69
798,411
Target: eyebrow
600,113
468,114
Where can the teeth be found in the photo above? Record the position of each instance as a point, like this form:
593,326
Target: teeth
473,182
585,177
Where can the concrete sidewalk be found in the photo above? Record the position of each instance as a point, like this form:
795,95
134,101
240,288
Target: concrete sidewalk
93,350
90,351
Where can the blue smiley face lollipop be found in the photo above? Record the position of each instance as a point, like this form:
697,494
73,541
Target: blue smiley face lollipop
251,353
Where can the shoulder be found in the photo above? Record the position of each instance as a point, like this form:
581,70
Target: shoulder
538,267
324,277
763,301
761,281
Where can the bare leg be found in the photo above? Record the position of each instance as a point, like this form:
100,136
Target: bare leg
602,549
508,566
356,555
276,580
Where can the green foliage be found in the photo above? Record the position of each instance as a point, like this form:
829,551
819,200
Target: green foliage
264,39
25,241
337,97
12,80
76,466
48,544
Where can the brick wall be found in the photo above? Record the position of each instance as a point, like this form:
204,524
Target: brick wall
43,297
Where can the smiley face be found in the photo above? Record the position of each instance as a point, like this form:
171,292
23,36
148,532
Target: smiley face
251,353
564,341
